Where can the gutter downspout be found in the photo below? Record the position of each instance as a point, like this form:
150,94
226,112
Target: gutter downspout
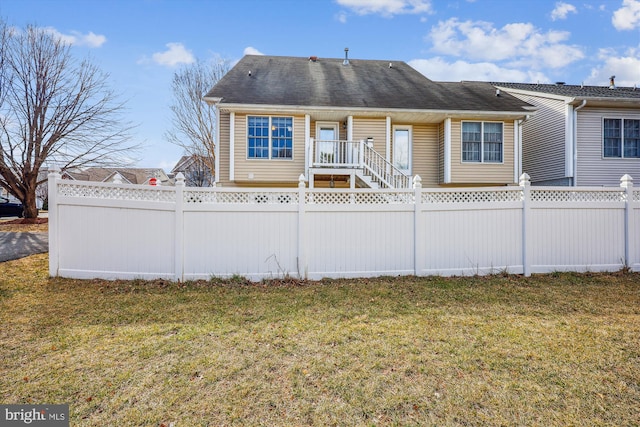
216,150
575,141
518,148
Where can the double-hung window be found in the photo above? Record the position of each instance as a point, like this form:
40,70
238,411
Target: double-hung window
269,137
621,138
482,142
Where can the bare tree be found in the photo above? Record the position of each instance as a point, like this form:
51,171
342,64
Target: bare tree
193,120
54,110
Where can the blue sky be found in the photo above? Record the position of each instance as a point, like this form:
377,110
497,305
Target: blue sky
141,43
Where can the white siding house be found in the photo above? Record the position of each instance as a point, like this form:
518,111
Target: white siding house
580,135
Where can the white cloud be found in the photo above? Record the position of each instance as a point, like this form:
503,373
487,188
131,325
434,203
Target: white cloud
440,70
562,10
519,44
626,68
78,39
167,165
387,8
175,54
628,16
341,17
249,50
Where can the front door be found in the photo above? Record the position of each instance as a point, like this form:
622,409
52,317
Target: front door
402,148
327,145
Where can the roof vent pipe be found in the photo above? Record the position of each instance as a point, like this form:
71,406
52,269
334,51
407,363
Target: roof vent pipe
346,56
612,82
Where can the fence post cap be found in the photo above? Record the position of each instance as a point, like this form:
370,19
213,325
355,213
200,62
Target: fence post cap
179,178
417,181
626,181
525,180
301,181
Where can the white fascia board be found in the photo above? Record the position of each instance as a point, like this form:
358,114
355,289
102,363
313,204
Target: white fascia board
212,100
538,94
383,112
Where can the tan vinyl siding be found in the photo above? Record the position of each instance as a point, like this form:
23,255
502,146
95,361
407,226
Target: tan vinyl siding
268,170
543,139
592,168
425,154
375,128
223,173
481,173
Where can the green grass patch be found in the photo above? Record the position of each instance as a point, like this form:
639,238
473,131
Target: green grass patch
550,350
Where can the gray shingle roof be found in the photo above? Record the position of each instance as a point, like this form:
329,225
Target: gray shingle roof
133,175
296,81
575,91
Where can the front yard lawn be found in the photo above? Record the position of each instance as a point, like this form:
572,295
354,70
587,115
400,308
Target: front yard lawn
550,350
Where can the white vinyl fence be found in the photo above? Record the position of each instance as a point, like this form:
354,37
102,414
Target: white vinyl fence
124,231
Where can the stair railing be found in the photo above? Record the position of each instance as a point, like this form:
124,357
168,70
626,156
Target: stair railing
383,171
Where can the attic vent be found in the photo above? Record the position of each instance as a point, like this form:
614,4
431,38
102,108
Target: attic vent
612,82
560,83
390,64
346,56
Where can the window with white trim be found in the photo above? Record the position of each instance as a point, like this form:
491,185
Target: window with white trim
621,138
269,137
482,142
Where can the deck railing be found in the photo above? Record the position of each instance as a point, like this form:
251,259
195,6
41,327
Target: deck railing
357,154
384,172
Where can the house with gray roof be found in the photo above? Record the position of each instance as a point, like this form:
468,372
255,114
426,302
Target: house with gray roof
196,170
361,123
581,135
124,175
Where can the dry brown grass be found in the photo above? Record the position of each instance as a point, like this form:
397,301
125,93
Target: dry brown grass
553,350
8,225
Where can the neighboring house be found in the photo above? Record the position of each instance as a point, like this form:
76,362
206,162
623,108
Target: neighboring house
580,135
126,175
195,171
361,123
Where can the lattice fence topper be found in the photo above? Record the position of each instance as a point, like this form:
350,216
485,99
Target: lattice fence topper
359,198
117,192
578,195
207,196
511,195
636,195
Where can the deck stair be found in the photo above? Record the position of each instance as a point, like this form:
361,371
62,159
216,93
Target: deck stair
357,159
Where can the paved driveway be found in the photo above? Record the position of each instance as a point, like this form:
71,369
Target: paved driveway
20,244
